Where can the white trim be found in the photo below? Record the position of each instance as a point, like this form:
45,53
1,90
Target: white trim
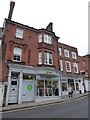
20,88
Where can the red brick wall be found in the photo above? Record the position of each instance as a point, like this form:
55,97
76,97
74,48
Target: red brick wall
62,57
30,39
87,62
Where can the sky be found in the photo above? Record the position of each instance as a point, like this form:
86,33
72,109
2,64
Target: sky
69,18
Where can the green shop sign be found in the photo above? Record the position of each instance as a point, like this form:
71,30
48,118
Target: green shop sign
29,87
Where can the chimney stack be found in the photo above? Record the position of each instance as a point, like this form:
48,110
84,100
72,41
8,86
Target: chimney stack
50,27
12,4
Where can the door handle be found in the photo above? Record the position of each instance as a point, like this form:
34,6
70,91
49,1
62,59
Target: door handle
23,94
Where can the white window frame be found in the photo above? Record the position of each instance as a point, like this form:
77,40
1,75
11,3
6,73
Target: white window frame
75,67
61,65
66,53
47,39
60,52
47,58
40,38
39,58
67,62
17,52
19,33
74,55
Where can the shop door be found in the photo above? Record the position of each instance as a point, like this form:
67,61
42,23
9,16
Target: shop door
13,91
28,90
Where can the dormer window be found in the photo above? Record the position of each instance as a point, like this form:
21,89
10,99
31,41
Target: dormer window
47,39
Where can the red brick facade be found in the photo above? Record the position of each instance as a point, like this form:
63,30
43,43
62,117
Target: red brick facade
29,45
70,59
30,48
84,65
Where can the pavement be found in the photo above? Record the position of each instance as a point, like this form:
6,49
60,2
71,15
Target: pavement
29,105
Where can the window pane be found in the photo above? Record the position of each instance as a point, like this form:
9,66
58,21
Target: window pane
17,51
50,58
40,38
68,67
64,86
46,58
75,65
66,53
40,58
17,54
47,39
40,87
19,33
59,49
74,55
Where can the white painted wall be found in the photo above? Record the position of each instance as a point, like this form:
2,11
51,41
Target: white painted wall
1,94
87,84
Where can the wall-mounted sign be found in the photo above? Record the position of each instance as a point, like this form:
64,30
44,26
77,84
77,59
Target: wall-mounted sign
49,72
29,87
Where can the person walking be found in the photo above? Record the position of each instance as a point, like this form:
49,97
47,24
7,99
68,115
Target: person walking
70,92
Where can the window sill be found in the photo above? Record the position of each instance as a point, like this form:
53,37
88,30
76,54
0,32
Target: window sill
18,38
15,62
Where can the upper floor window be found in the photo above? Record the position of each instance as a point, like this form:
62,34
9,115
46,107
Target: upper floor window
48,58
39,57
68,66
84,64
75,66
47,39
59,50
74,55
61,65
17,54
40,38
66,53
19,32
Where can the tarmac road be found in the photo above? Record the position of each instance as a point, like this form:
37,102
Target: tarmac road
73,109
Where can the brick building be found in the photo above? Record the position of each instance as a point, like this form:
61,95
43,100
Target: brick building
84,67
69,67
35,66
30,57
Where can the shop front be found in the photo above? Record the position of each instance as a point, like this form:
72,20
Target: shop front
74,82
32,84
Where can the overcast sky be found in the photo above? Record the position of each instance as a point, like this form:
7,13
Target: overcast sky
69,17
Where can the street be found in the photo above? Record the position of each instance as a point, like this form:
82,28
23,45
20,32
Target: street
73,109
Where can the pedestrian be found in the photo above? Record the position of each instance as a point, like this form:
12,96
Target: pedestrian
70,92
80,89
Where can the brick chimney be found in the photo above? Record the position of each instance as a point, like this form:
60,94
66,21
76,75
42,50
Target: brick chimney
50,27
12,4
